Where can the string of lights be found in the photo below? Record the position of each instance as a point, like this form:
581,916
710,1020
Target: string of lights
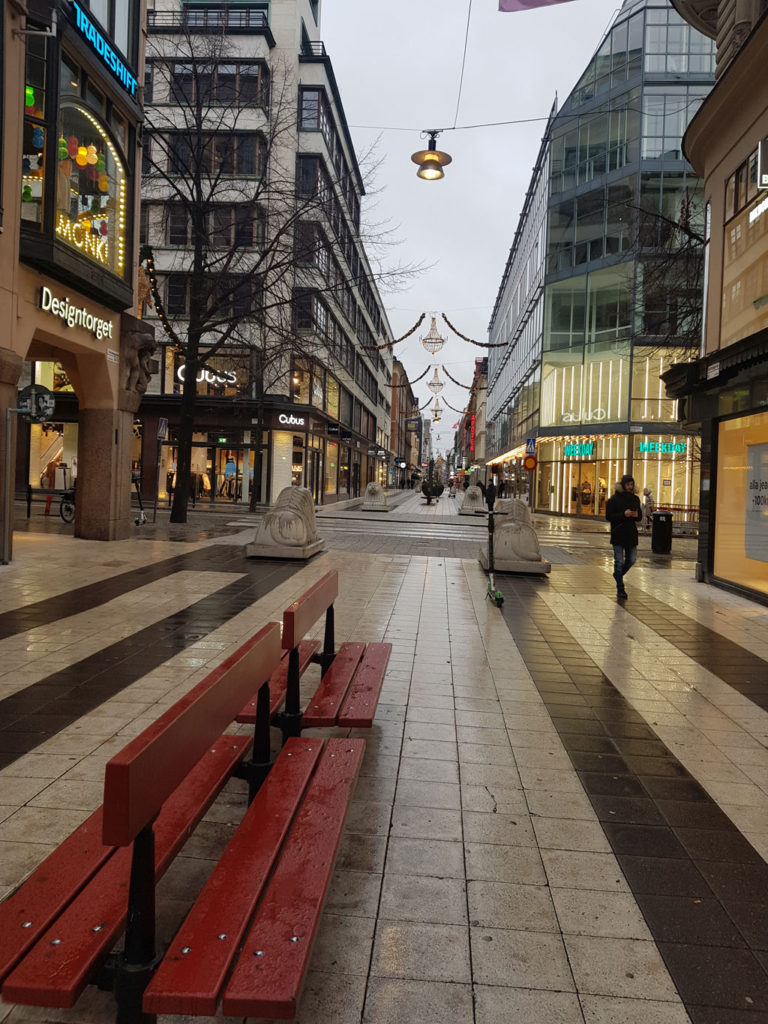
467,387
415,380
389,344
480,344
159,307
461,412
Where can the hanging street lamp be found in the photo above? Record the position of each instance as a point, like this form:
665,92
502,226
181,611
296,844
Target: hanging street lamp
435,385
431,161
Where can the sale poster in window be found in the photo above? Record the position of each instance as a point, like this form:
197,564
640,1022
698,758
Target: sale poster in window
756,526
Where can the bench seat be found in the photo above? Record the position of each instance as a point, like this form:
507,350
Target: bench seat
282,853
59,963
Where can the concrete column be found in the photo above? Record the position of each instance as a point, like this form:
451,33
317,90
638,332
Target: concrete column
11,366
103,501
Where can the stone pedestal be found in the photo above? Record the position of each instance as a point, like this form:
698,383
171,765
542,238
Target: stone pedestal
515,543
375,498
288,530
472,502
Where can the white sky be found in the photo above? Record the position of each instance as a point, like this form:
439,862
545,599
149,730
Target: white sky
397,64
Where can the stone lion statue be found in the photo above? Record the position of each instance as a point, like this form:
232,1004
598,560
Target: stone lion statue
290,521
515,536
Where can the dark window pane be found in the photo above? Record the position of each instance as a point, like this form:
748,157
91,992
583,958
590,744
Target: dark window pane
244,226
182,83
177,225
226,83
176,302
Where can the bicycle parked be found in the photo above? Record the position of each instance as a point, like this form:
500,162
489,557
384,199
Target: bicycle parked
67,506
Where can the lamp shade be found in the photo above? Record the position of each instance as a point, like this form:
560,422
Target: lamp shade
431,161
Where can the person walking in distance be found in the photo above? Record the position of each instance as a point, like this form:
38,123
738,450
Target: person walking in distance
649,506
623,511
490,495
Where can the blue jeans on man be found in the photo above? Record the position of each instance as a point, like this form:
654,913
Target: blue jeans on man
623,560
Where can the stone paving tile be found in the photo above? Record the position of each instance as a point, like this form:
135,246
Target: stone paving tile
486,738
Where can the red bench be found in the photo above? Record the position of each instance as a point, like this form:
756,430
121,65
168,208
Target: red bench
352,676
262,902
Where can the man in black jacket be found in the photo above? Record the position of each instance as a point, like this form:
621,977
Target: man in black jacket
623,511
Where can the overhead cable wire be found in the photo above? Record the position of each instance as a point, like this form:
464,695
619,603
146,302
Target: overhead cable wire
463,62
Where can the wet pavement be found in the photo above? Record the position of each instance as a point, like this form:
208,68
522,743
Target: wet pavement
563,811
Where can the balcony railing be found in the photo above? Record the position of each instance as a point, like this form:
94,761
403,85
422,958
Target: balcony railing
310,48
209,19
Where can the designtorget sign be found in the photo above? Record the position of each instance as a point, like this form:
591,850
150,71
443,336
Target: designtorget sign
75,316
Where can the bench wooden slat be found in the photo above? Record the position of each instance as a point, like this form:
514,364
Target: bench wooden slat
191,982
329,696
139,779
279,681
286,922
359,705
55,975
304,613
26,914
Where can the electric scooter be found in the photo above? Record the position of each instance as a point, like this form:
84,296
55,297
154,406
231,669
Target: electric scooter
492,593
141,518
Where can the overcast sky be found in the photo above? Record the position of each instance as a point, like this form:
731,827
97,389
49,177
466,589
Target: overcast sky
398,66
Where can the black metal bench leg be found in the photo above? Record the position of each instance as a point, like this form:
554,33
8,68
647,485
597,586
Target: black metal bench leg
329,641
289,721
129,973
257,768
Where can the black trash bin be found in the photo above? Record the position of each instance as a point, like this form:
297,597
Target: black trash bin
661,533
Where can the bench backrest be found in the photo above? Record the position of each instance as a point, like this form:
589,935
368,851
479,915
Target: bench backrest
139,779
304,613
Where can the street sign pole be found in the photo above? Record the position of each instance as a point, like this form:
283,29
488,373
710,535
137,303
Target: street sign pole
36,404
8,490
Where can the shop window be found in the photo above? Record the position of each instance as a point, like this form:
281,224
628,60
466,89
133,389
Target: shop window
331,466
332,397
91,190
300,378
318,387
35,135
69,80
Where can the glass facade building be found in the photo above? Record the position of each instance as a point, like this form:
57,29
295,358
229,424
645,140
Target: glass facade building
590,312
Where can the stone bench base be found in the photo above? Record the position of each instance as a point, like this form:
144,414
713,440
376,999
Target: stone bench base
520,565
255,550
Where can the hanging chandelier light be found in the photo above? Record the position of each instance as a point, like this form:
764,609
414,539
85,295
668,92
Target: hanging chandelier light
435,385
432,341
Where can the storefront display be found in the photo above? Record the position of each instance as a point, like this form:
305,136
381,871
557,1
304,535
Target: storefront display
576,475
741,530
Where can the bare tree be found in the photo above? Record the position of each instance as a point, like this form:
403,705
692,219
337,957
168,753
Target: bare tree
267,260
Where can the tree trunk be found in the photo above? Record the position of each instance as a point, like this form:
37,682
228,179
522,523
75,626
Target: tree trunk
184,451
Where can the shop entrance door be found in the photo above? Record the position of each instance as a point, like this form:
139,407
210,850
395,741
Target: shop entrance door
587,495
581,489
228,472
356,479
314,482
